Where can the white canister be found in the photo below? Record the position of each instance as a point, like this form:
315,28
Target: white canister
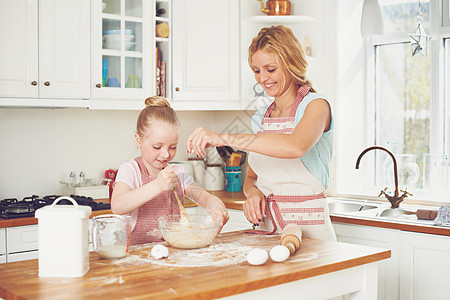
199,166
63,232
214,179
185,165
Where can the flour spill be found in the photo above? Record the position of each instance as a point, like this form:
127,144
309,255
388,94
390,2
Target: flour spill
217,254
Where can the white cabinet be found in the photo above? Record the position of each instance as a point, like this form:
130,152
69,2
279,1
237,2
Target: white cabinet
424,266
418,265
45,51
237,221
205,54
122,53
22,242
388,270
2,245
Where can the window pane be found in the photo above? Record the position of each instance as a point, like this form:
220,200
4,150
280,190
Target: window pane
400,15
402,113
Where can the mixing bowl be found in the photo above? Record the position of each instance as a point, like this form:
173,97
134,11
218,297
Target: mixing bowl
198,233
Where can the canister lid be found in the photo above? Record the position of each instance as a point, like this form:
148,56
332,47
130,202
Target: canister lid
64,211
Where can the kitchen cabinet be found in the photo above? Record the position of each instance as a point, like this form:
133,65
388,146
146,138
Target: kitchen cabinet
237,221
418,265
424,266
205,55
122,53
22,242
45,53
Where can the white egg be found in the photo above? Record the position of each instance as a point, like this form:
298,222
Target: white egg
160,251
257,257
279,253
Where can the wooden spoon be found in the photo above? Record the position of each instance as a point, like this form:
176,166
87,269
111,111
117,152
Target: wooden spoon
184,216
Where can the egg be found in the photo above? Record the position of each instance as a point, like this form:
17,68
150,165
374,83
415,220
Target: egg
160,251
279,253
257,257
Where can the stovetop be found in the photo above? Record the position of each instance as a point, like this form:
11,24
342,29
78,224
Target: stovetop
13,208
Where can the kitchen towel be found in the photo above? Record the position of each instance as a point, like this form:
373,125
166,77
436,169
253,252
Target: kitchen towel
443,216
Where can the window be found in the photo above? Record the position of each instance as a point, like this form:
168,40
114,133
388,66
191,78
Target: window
408,103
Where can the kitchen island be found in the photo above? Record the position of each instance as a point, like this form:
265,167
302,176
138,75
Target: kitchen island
320,269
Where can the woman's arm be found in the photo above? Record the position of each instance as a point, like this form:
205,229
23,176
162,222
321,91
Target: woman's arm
255,205
315,121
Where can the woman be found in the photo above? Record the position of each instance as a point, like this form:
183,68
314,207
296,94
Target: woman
291,144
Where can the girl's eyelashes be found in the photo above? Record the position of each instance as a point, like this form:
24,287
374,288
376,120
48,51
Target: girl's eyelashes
156,147
271,70
173,147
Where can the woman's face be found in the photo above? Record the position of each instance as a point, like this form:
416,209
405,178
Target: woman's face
158,146
271,74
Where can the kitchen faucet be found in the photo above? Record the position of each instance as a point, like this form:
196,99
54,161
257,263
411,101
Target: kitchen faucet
396,198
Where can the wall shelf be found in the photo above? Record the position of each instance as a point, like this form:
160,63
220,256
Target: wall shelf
280,19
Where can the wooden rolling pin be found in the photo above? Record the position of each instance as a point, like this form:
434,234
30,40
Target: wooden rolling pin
291,237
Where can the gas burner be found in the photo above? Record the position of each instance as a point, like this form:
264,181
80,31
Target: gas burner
13,208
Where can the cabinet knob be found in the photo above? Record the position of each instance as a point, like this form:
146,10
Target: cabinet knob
47,83
177,89
98,85
34,82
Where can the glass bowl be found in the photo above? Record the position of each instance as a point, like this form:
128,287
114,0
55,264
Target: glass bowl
198,233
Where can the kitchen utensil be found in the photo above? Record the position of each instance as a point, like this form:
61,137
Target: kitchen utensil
199,233
243,157
291,237
63,232
233,179
276,7
224,154
111,235
214,179
184,216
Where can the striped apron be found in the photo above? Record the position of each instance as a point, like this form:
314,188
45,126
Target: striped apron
146,229
292,193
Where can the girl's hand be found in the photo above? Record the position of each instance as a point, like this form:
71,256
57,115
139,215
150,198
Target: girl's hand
219,212
167,179
255,208
200,139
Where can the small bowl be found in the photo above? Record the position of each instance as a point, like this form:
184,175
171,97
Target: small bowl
198,233
118,37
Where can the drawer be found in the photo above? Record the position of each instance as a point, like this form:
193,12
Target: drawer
2,259
22,238
22,256
2,241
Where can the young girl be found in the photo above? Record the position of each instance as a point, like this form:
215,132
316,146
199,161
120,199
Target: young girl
145,186
291,144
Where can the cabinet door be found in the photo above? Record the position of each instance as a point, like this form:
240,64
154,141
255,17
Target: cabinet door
19,48
22,238
2,241
424,266
64,52
205,51
388,270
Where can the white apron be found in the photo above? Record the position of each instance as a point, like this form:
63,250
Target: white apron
293,194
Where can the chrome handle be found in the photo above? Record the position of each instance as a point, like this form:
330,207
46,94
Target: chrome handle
47,83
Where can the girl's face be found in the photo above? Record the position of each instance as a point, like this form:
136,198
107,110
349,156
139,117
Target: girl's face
158,146
271,74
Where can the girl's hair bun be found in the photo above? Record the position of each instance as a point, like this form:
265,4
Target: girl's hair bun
157,101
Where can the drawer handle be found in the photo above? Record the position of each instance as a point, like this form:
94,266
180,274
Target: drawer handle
47,83
177,89
98,85
34,82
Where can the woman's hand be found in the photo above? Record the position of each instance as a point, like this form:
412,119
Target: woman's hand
167,179
255,208
202,138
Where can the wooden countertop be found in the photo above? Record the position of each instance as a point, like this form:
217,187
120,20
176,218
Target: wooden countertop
220,270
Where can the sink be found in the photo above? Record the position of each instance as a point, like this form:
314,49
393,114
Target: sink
392,212
343,207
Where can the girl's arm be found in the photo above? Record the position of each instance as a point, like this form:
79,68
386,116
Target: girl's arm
209,202
255,205
124,200
315,121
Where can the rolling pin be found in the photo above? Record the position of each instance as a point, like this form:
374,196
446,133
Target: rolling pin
291,237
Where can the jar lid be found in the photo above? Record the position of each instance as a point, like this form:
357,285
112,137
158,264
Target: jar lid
214,165
54,211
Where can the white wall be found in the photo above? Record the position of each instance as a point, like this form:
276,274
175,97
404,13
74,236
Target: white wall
39,147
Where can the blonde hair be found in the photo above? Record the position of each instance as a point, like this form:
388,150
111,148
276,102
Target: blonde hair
281,41
156,108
